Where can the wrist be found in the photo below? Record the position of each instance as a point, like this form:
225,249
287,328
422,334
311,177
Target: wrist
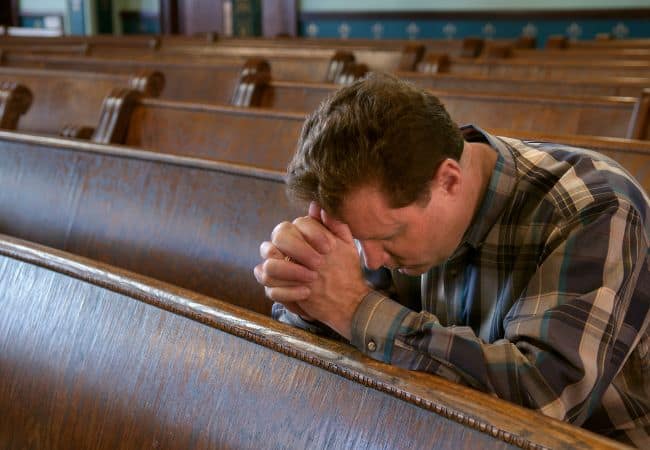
342,323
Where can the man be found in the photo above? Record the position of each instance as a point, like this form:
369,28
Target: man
518,268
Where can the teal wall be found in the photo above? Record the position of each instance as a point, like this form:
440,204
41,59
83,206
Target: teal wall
436,26
353,27
461,5
42,5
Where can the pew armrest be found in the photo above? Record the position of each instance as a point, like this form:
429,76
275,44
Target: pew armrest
15,100
115,116
640,121
411,55
338,63
149,82
77,132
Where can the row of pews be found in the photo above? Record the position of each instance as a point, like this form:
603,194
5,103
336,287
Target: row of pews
138,177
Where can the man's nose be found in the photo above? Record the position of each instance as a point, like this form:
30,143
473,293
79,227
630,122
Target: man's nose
373,255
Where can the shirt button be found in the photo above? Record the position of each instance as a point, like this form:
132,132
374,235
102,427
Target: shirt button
371,346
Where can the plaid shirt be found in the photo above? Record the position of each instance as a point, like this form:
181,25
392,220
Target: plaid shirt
545,302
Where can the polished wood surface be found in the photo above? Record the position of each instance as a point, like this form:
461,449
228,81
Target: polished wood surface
65,97
613,86
96,357
256,137
192,223
15,101
268,138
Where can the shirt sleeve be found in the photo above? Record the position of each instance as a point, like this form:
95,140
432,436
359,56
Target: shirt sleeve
567,334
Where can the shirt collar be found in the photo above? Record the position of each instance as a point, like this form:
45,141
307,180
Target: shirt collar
500,189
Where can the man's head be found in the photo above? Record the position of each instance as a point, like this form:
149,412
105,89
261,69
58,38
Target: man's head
379,131
383,157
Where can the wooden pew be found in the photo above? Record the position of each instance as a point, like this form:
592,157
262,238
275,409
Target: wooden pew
201,80
106,45
267,138
97,357
216,82
606,54
613,86
61,98
186,221
543,69
299,65
210,82
556,41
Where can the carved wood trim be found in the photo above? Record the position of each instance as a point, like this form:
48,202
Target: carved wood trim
255,65
77,132
640,121
154,43
149,82
338,62
434,63
250,89
472,47
411,55
15,100
497,50
115,116
557,41
351,73
526,42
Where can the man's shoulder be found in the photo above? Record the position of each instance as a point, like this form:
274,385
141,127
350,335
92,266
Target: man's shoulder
576,179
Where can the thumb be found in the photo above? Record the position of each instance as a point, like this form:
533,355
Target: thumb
338,228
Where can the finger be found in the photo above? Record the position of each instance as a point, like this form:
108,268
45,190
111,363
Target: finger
319,237
270,251
296,309
287,294
340,229
288,239
314,210
281,273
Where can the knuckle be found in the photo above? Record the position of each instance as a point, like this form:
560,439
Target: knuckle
280,228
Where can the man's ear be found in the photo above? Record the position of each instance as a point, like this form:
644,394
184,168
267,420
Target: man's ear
448,177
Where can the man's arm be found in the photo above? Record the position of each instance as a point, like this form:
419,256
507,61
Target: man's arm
565,339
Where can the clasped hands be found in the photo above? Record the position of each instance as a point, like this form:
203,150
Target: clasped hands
321,280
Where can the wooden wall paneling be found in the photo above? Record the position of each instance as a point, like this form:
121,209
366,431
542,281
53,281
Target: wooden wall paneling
200,16
279,17
169,16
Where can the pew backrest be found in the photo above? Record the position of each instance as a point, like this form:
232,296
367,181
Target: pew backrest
64,97
97,357
268,138
611,86
189,222
548,69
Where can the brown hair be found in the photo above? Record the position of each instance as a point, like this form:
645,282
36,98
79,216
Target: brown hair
379,130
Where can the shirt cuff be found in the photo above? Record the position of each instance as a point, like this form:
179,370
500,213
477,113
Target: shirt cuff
375,324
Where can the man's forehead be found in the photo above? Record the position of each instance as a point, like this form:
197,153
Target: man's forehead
368,215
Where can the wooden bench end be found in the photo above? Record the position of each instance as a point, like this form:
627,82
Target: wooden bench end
115,116
15,100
